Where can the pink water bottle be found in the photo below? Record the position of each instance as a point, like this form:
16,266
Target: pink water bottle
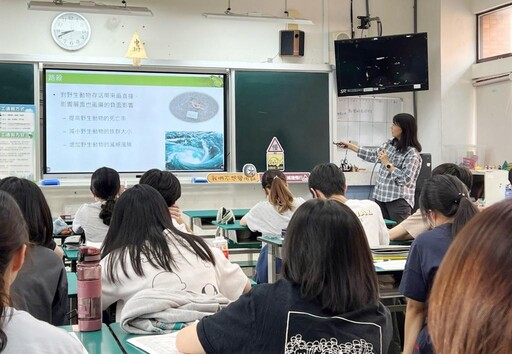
89,289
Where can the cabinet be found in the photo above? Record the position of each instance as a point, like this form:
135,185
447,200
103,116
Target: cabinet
489,185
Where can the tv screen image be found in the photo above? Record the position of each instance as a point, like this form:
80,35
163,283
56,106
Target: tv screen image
133,121
378,65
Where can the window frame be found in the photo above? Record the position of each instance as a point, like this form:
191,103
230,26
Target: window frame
478,33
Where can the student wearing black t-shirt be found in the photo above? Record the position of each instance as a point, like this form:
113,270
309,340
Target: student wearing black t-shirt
445,202
327,301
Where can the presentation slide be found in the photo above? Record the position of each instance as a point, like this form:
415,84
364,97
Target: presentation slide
133,121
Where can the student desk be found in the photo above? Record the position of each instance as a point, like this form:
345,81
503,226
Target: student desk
71,255
101,341
72,284
275,245
121,336
72,295
389,223
395,266
209,215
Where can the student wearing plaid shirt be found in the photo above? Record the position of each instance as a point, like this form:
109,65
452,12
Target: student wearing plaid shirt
400,166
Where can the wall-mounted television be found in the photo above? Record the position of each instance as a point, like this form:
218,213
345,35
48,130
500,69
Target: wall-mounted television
376,65
133,121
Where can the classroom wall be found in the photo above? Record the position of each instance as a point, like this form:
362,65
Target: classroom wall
179,33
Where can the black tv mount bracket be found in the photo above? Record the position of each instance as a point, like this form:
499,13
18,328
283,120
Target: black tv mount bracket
365,21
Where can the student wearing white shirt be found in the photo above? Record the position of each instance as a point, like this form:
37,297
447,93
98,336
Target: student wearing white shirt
94,218
274,213
144,250
271,215
168,185
19,331
328,181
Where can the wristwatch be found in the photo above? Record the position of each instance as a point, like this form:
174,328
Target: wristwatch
389,165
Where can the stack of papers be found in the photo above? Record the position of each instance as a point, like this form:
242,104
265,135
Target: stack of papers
390,265
390,252
156,344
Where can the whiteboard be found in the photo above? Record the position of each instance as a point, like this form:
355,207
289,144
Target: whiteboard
494,123
365,121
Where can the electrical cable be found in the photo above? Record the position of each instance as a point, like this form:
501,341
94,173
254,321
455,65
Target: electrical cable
372,186
352,32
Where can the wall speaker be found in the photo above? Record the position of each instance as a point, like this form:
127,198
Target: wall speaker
291,43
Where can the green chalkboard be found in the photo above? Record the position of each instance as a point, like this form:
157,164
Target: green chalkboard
16,83
292,106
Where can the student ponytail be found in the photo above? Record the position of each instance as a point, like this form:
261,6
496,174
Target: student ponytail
279,194
464,213
106,211
447,195
105,184
13,235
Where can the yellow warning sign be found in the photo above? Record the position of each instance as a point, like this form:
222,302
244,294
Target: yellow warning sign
136,50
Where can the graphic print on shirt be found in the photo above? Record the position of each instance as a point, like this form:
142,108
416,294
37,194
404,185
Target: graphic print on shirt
311,334
209,289
167,280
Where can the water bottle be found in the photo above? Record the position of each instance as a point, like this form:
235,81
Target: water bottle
89,289
221,243
508,192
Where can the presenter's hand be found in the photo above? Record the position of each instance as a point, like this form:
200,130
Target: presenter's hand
383,157
347,145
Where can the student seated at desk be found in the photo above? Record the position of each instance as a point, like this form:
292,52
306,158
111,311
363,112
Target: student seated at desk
41,287
471,301
143,249
415,224
326,180
445,202
271,215
19,331
168,185
328,297
94,218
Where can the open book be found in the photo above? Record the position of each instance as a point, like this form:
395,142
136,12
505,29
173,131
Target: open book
156,344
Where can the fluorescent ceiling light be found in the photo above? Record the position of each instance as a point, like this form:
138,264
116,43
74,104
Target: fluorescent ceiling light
249,17
89,6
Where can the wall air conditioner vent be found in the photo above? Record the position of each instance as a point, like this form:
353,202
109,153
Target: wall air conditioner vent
492,79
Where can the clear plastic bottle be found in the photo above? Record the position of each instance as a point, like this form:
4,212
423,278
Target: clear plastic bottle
221,243
508,192
89,289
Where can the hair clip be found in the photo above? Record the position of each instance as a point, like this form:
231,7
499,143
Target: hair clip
459,196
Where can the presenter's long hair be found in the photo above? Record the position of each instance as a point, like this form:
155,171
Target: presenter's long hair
165,182
274,181
447,195
105,184
34,207
13,235
471,299
326,254
409,136
142,226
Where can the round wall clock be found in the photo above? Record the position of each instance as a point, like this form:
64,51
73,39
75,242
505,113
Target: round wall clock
71,30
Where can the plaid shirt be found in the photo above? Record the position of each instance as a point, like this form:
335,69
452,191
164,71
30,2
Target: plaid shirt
401,183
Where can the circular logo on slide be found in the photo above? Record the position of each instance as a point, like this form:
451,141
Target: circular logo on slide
194,107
